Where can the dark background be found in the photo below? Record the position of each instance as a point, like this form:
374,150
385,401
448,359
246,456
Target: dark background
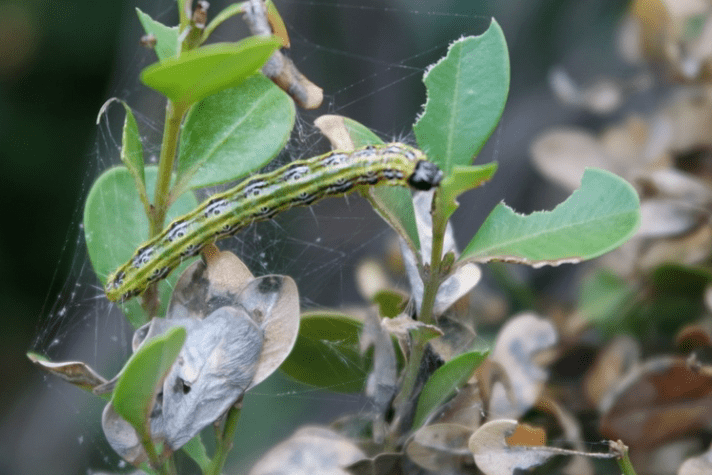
60,60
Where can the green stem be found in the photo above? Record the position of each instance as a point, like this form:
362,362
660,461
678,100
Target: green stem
171,133
625,465
433,277
153,458
161,200
432,280
225,440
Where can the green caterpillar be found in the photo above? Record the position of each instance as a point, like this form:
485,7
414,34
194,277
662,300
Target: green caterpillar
262,196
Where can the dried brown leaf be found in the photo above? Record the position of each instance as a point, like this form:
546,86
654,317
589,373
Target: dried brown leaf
658,401
700,465
439,446
495,456
310,450
518,343
75,372
562,156
613,361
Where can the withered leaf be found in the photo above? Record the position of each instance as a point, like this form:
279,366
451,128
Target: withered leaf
658,401
309,451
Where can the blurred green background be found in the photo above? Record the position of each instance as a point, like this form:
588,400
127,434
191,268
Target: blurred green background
60,60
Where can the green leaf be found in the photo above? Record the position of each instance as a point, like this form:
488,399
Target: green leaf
466,91
142,375
132,155
391,303
115,224
131,149
460,180
604,299
394,204
199,73
326,354
166,36
196,450
233,133
598,217
444,382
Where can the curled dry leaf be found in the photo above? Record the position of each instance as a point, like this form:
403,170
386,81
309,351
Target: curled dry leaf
694,335
381,382
665,459
700,465
122,437
562,156
687,118
615,360
385,463
661,217
457,284
689,249
601,97
438,447
239,330
515,350
497,452
676,184
656,402
74,372
458,336
466,408
272,301
310,451
214,369
674,33
334,128
579,464
403,327
202,288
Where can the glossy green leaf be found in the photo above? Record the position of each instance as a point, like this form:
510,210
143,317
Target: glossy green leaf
444,382
466,91
166,36
201,72
196,450
233,133
115,224
394,204
460,180
142,375
132,154
598,217
131,149
326,354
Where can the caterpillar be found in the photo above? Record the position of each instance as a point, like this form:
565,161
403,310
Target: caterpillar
262,196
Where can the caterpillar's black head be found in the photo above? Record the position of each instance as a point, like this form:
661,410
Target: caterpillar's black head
426,176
